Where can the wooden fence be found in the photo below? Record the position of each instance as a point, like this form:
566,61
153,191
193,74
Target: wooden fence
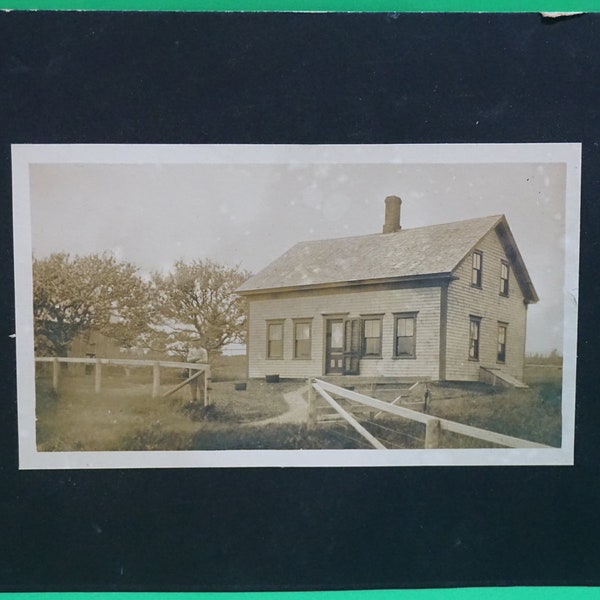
202,371
433,425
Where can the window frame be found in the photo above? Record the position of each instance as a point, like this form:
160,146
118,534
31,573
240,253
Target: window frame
504,282
363,338
295,339
501,326
270,323
477,271
397,318
474,320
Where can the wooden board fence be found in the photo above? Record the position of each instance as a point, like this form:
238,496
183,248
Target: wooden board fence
433,425
351,420
203,370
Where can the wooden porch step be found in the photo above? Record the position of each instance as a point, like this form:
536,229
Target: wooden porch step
491,375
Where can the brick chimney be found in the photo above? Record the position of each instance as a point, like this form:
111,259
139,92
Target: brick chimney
392,214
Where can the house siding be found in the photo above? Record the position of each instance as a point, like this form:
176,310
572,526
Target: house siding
423,300
465,301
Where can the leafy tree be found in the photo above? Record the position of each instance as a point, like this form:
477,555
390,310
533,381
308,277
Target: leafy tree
72,295
198,303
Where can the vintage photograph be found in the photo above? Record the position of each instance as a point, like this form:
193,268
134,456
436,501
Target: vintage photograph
214,306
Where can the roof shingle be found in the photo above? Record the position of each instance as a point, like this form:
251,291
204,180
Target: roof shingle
430,250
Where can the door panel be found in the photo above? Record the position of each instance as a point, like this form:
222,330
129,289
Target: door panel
334,346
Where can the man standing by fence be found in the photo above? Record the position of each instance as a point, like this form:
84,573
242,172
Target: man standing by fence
196,354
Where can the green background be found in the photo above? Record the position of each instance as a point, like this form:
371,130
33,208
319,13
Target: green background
496,593
514,593
313,5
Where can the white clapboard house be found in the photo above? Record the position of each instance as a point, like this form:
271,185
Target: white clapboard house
442,302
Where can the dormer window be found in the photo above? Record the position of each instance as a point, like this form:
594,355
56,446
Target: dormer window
477,261
504,271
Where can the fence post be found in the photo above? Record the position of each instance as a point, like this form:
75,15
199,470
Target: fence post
155,379
432,433
311,419
55,374
98,378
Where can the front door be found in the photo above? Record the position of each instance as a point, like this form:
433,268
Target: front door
334,346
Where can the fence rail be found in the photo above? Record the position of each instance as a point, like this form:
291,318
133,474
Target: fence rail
433,425
203,371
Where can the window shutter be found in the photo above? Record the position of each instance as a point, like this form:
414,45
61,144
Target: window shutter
352,346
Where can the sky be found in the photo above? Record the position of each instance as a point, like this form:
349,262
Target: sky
249,214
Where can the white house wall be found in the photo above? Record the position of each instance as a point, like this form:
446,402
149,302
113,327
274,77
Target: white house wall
465,300
351,303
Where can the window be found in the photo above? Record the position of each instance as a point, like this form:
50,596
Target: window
477,261
504,271
275,340
405,337
337,334
501,357
302,339
474,331
372,336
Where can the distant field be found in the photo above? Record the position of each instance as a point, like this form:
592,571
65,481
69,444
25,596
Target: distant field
234,368
542,374
229,368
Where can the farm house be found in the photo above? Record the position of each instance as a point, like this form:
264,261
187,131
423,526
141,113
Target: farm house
435,303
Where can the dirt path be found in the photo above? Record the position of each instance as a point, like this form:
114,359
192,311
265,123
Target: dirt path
297,409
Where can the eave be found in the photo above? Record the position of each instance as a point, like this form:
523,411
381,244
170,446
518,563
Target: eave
520,270
429,277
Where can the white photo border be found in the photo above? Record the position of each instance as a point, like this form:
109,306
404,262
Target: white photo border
24,155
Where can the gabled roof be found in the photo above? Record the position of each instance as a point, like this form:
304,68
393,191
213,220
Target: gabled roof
435,250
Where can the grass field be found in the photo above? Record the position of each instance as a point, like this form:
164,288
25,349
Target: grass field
532,414
125,417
